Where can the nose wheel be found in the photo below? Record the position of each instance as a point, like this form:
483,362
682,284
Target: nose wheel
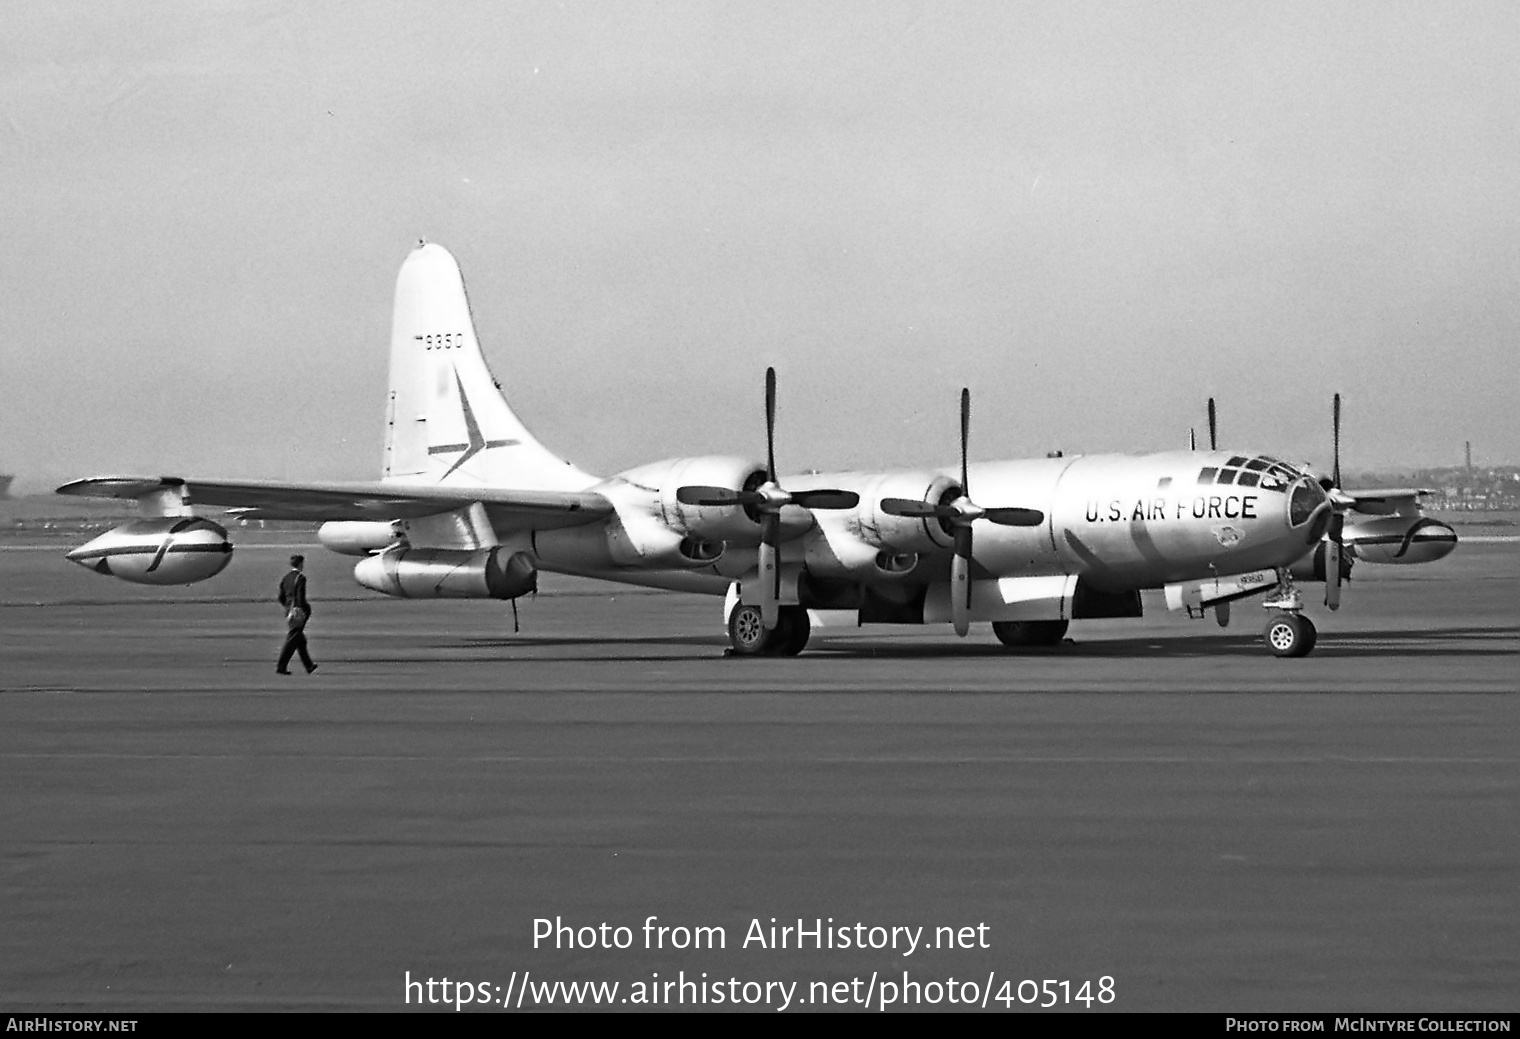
1291,635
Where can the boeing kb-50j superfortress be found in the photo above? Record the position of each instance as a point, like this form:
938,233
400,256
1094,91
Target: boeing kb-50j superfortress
472,506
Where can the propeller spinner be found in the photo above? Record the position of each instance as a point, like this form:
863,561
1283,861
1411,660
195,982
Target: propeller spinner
959,514
766,502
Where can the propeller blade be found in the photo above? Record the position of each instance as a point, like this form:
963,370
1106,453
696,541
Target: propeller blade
1012,517
960,582
965,438
825,499
1333,547
770,424
912,507
1222,614
1336,424
1192,439
697,494
770,573
1213,427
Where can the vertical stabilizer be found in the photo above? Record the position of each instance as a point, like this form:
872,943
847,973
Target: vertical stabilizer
446,419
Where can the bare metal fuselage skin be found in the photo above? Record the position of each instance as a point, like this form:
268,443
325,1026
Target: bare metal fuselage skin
1120,522
1138,522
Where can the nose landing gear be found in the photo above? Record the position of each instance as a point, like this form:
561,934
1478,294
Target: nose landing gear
1289,633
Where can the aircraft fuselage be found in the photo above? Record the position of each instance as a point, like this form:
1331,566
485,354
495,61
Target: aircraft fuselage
1120,521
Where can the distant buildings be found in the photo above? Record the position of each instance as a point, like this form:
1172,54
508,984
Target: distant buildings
1456,487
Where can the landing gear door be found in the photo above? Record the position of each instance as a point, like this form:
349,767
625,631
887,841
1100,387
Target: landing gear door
1197,596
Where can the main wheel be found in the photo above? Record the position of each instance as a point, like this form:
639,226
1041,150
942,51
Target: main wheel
1023,634
793,630
1291,635
747,634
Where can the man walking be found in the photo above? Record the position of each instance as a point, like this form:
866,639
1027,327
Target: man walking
297,609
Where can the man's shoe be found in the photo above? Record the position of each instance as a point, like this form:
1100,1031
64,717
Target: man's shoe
312,668
281,671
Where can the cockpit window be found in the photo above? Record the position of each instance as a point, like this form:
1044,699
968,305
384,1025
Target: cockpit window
1281,469
1263,472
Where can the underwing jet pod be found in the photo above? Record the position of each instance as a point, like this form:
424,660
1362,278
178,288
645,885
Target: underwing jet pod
470,504
1381,525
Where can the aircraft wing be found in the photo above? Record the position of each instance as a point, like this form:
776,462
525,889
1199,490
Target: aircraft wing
270,499
1385,501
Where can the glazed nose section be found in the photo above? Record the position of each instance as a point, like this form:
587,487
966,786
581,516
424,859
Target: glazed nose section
1309,510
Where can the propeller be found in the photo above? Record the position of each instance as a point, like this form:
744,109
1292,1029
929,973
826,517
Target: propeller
1335,534
959,514
765,502
1333,550
1335,423
1213,427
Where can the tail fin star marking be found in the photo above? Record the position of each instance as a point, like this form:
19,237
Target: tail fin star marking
477,442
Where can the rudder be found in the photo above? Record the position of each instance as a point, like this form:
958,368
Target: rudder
447,421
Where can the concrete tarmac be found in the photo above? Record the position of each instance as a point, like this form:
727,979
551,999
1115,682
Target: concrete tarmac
1159,802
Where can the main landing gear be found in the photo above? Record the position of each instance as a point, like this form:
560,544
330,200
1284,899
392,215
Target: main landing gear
748,638
1029,634
1289,633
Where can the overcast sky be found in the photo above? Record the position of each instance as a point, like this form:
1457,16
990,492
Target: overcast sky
1095,216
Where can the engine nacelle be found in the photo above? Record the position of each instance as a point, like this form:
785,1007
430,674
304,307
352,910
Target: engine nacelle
449,573
835,551
166,550
1312,566
356,537
703,523
904,534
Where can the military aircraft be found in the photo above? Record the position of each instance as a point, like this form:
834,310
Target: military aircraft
470,505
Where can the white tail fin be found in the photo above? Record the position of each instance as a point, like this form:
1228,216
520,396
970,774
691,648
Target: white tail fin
447,421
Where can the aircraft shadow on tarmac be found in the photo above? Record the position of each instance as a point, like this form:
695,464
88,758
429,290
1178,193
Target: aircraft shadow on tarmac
1456,641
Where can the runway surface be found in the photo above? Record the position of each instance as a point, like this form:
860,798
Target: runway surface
1160,802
